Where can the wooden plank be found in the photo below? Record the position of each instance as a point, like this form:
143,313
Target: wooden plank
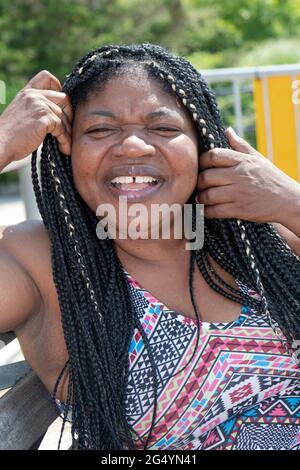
26,412
10,374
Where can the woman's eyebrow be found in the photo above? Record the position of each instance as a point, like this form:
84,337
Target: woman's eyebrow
151,115
102,112
166,112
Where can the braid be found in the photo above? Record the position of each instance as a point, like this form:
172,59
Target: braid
98,315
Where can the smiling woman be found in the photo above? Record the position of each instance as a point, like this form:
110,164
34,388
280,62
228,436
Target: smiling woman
140,349
132,144
143,132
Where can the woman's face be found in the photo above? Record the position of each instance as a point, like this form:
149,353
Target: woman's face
134,128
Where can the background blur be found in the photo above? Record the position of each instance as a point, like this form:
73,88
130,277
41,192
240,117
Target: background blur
53,34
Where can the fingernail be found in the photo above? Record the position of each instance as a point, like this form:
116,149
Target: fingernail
232,130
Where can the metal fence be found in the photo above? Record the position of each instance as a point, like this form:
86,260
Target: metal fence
234,82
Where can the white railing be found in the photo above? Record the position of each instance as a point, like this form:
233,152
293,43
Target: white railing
26,189
235,76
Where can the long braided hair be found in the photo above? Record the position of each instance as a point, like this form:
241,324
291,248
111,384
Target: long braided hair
98,315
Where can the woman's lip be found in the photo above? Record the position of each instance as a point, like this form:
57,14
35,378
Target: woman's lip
135,195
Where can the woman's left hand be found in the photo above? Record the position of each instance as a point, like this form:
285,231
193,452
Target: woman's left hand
240,183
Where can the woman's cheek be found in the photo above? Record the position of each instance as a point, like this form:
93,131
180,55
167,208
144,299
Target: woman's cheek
85,159
187,166
84,174
186,154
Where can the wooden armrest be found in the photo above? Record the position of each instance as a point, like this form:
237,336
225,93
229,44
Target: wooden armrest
26,412
10,374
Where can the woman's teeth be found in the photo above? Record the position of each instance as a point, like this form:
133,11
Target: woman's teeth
133,181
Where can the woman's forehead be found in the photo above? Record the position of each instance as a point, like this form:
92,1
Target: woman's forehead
134,91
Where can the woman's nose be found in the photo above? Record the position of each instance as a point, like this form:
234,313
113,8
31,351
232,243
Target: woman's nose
135,146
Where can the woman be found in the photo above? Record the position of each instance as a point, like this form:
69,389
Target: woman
212,360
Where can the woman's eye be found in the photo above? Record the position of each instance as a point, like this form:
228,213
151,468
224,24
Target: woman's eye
99,129
165,129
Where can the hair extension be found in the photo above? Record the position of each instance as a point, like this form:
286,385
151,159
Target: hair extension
98,316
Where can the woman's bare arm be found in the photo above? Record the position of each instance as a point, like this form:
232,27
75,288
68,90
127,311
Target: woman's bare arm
19,295
39,108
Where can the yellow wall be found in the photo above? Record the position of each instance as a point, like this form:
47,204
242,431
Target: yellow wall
282,120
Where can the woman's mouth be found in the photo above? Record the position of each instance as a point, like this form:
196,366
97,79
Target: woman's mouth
135,188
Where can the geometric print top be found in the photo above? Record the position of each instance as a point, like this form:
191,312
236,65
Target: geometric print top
240,392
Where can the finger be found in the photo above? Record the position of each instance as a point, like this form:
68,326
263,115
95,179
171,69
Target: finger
217,158
213,196
44,80
62,116
239,144
214,177
55,127
62,100
220,211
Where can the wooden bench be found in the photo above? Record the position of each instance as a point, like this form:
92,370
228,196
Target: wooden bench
26,410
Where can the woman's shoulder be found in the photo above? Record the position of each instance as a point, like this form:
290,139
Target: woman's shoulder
28,240
10,234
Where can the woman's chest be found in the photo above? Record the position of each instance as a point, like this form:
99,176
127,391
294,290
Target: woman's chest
238,371
173,291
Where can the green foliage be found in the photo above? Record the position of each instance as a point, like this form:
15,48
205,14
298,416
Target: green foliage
7,178
53,34
272,51
12,89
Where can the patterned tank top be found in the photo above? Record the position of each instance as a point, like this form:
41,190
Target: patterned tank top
241,391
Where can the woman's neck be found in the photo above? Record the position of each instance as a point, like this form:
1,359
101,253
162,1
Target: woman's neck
151,252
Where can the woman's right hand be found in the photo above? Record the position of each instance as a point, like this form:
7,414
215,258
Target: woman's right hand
38,109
